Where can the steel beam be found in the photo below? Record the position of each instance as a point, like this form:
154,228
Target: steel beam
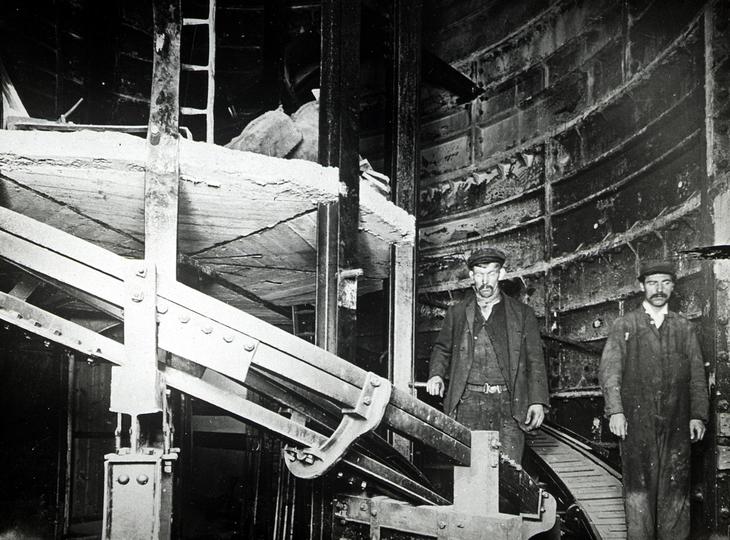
338,147
189,314
162,171
210,386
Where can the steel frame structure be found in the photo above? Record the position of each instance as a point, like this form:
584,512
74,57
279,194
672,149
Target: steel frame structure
175,336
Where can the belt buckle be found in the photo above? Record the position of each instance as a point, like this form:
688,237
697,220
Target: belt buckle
491,388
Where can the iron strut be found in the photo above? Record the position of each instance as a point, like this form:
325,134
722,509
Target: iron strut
311,462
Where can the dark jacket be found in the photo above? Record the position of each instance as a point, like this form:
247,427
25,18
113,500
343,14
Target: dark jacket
633,368
453,354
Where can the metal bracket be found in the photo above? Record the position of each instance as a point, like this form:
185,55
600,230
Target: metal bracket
138,494
312,462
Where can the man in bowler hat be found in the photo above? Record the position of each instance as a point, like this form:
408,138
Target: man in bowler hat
488,358
655,395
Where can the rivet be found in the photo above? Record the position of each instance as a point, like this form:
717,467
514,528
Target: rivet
183,318
374,512
363,506
162,308
460,525
442,524
137,296
123,479
142,272
366,400
375,381
206,329
249,346
228,338
168,468
56,332
142,479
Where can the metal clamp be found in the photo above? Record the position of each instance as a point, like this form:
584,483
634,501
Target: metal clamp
368,412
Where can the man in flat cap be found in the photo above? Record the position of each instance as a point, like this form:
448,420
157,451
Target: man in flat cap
489,350
656,400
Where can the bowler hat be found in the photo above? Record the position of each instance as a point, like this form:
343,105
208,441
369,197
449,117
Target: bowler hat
656,267
485,256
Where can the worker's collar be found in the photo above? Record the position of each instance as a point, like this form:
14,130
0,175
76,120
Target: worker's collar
487,304
656,315
487,307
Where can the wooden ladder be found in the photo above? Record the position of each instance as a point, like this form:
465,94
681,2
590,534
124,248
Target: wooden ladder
209,67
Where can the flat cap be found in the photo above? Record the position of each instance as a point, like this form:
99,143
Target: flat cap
485,256
656,267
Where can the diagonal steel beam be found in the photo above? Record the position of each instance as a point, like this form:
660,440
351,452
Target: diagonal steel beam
210,386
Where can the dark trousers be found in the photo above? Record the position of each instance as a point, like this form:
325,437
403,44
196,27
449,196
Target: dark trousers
656,465
492,412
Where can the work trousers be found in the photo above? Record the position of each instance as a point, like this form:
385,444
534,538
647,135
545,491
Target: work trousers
492,412
656,475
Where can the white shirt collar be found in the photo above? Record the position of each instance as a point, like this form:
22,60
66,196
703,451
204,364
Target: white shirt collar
657,315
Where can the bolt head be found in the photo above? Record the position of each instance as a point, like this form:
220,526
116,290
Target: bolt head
249,346
363,506
366,400
375,381
184,317
161,309
142,272
228,338
137,296
142,479
206,329
123,479
374,512
442,524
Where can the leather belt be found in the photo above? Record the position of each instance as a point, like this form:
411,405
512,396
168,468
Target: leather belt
487,388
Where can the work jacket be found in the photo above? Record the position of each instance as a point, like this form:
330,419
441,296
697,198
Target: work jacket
523,363
635,372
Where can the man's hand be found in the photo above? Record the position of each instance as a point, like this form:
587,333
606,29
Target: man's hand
696,430
535,416
618,425
435,386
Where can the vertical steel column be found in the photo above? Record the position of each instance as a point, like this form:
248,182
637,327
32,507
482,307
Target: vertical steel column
716,325
162,174
338,147
138,484
403,159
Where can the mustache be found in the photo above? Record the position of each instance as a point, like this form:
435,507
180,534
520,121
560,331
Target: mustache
658,295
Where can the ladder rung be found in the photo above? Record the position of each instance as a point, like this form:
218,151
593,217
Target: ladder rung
194,67
187,21
190,111
304,334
